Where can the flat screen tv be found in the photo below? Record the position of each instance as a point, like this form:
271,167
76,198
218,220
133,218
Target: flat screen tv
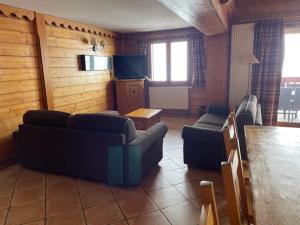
130,66
94,62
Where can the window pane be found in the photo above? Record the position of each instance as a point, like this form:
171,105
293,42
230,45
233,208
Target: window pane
159,61
179,61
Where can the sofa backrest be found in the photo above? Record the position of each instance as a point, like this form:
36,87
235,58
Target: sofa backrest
104,123
246,112
46,118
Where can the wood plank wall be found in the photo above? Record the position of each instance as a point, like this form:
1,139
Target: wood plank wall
20,88
73,90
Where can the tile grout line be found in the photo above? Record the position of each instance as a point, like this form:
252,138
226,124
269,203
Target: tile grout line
12,195
78,192
117,201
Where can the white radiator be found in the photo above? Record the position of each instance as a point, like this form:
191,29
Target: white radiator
242,40
169,97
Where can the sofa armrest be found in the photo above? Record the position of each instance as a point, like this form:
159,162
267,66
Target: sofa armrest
202,134
145,139
258,119
218,109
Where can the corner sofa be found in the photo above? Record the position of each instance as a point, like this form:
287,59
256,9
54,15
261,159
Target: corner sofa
203,143
100,147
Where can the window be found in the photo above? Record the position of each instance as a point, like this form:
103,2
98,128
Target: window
169,61
289,100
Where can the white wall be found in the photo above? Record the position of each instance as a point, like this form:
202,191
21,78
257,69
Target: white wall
169,97
242,40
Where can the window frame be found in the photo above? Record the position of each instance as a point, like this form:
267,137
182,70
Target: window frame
168,42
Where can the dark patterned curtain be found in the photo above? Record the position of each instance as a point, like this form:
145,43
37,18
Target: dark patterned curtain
266,76
142,47
198,60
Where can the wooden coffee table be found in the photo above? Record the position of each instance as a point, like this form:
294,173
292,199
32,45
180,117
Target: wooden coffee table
144,118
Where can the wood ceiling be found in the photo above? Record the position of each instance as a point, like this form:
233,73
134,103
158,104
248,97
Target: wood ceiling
260,9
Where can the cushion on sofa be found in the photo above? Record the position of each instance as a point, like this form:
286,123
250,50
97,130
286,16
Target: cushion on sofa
104,123
46,118
212,119
208,126
130,130
246,112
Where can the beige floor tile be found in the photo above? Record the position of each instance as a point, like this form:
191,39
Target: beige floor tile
4,201
26,213
72,218
40,222
154,182
176,176
96,196
84,185
3,214
25,172
120,223
221,204
166,197
29,182
167,165
224,221
184,213
190,189
107,213
59,186
7,185
25,196
137,205
125,192
62,204
218,182
200,174
10,172
149,219
175,154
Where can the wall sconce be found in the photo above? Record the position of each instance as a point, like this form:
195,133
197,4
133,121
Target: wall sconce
96,47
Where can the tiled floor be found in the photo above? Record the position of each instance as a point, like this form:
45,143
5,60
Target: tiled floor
169,195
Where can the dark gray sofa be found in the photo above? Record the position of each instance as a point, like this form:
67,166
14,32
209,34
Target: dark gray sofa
203,143
100,147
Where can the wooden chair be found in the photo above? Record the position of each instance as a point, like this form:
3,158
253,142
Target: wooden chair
238,195
209,213
232,142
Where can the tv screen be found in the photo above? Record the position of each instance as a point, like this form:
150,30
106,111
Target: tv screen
93,62
130,66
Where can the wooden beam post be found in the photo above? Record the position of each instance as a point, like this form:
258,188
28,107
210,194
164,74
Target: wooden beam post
44,61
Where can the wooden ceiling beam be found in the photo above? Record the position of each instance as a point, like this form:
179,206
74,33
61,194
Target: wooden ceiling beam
211,17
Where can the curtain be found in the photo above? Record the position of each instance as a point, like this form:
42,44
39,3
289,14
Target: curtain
266,76
142,47
198,60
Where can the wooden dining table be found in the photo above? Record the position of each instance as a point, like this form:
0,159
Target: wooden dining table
274,164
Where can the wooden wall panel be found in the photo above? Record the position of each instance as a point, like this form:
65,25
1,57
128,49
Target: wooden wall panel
20,88
251,10
77,91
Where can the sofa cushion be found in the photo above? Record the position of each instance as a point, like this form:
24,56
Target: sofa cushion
46,118
246,112
208,126
104,123
212,119
130,130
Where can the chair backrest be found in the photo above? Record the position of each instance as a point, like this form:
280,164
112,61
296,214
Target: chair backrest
231,135
234,189
209,213
285,98
296,105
